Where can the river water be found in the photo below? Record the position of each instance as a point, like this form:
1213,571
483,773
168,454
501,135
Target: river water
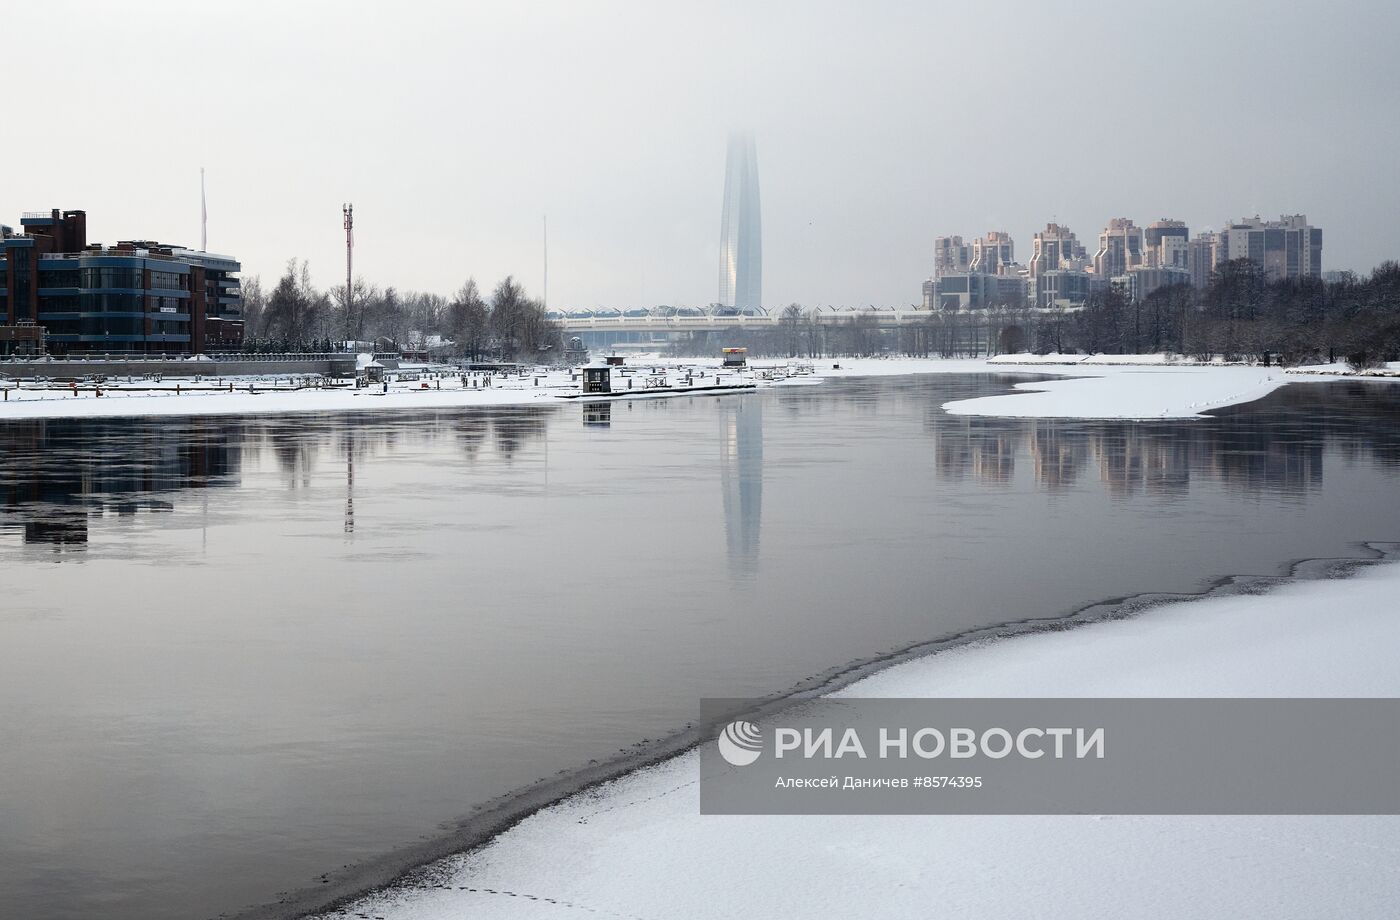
236,654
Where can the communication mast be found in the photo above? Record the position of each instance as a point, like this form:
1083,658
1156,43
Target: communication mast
349,211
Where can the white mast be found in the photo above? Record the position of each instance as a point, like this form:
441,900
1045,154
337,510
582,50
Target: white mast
203,215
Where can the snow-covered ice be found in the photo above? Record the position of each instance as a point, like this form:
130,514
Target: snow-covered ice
1100,386
1130,392
114,403
639,847
409,388
1343,369
1088,360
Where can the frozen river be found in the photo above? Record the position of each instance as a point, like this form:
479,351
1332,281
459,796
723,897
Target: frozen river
236,654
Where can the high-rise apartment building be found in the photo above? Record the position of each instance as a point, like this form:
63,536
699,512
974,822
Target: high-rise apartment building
950,255
1143,280
985,274
991,254
1285,248
1170,252
741,229
1165,228
930,294
1064,287
1164,243
1120,248
974,291
1202,254
1054,248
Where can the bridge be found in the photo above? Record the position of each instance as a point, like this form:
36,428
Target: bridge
885,319
974,330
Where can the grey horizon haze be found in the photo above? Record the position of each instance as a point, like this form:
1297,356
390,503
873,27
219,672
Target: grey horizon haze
454,128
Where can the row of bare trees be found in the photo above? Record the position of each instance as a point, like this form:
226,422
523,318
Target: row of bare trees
1240,315
295,315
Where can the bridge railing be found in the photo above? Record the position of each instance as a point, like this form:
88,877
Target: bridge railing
662,323
882,318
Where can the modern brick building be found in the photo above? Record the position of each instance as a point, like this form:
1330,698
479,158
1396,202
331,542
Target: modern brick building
134,296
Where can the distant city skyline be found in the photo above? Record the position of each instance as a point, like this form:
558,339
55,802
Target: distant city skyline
1138,259
866,159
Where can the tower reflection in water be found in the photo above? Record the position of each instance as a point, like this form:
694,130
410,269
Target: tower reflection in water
741,481
741,474
57,477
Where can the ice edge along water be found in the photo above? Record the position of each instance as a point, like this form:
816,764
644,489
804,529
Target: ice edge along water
1129,392
638,847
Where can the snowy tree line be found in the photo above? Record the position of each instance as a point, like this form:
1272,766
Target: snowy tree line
1240,315
297,316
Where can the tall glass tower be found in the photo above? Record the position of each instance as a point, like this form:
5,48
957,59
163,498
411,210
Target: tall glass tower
741,230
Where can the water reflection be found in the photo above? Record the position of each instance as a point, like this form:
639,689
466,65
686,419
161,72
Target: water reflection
57,476
513,429
741,481
393,618
349,525
597,415
1275,445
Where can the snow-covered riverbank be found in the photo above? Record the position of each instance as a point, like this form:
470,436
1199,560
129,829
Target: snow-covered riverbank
408,389
115,402
639,847
1143,389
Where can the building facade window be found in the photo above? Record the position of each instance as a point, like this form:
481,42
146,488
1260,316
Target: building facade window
58,277
168,281
112,303
112,278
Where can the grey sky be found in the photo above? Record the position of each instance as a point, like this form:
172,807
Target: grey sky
453,127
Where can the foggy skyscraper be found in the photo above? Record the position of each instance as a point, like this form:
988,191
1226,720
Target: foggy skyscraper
741,232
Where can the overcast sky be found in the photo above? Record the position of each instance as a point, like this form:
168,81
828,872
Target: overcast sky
454,127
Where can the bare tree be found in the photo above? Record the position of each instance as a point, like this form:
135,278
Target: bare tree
468,320
348,319
791,322
289,306
254,306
